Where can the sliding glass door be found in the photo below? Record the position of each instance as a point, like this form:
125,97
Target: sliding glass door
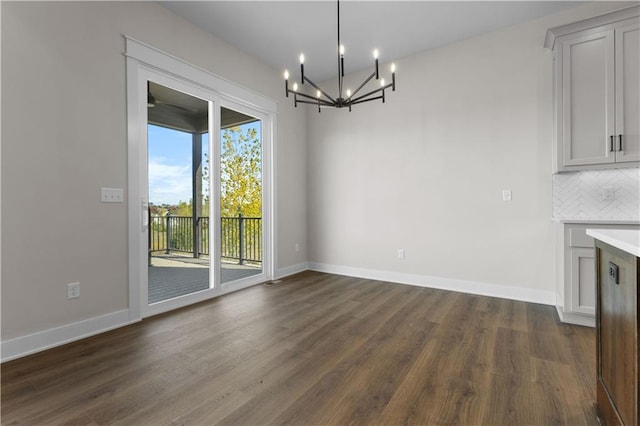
205,197
199,194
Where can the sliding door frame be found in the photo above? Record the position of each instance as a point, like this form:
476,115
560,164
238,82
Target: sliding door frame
266,136
147,63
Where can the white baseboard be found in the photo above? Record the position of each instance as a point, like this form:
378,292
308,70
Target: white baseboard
40,341
484,289
585,320
47,339
290,270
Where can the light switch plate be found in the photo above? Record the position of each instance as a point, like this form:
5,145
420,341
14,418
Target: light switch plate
506,195
112,195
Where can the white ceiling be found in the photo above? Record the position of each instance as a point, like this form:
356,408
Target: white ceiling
278,31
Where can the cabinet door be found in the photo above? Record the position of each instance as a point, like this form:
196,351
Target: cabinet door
588,99
617,333
583,280
627,40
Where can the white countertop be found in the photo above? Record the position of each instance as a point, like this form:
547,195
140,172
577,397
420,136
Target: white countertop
625,239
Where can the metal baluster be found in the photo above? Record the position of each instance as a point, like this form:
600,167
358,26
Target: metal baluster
168,232
241,239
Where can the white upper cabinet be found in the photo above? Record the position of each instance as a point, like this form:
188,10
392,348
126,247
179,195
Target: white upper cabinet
627,43
597,91
587,99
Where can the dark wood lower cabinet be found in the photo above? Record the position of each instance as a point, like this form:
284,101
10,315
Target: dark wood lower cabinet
617,336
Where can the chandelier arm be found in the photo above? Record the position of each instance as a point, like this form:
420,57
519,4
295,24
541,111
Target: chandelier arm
364,100
313,99
304,95
316,102
318,88
379,89
373,74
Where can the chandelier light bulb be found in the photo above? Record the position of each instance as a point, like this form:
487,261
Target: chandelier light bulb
382,82
302,58
375,53
342,49
393,76
295,87
348,93
286,74
318,94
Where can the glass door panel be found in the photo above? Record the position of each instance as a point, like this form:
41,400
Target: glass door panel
178,190
241,192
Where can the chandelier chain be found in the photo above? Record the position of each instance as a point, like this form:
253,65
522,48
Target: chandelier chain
340,61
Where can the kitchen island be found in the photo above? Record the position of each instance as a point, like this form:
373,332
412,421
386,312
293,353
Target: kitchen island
617,355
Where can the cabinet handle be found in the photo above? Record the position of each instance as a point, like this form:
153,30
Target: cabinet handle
611,146
619,142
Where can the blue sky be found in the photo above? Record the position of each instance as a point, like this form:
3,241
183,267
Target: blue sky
170,165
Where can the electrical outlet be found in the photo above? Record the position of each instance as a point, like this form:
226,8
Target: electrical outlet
608,193
73,290
506,195
401,254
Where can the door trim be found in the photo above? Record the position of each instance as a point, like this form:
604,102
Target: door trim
142,62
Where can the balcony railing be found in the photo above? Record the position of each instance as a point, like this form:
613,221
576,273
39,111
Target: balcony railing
240,237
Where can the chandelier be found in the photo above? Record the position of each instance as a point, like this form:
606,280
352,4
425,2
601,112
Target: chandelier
343,100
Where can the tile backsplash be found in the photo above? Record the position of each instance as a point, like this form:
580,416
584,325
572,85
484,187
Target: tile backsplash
578,195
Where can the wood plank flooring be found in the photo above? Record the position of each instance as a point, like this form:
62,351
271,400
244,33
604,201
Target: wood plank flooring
318,349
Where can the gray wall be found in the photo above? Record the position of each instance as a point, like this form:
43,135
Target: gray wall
425,172
64,137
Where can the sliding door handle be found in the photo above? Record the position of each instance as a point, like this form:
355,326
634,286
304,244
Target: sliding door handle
144,215
619,142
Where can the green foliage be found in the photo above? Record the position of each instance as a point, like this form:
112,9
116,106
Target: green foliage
241,172
182,209
182,236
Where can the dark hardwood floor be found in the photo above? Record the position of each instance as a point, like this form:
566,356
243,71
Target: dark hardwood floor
318,349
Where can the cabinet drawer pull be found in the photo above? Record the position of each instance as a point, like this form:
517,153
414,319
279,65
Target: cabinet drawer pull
611,145
619,142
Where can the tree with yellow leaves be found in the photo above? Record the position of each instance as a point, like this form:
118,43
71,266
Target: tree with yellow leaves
241,171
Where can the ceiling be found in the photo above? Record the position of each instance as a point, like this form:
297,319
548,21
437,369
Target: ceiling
180,111
278,31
